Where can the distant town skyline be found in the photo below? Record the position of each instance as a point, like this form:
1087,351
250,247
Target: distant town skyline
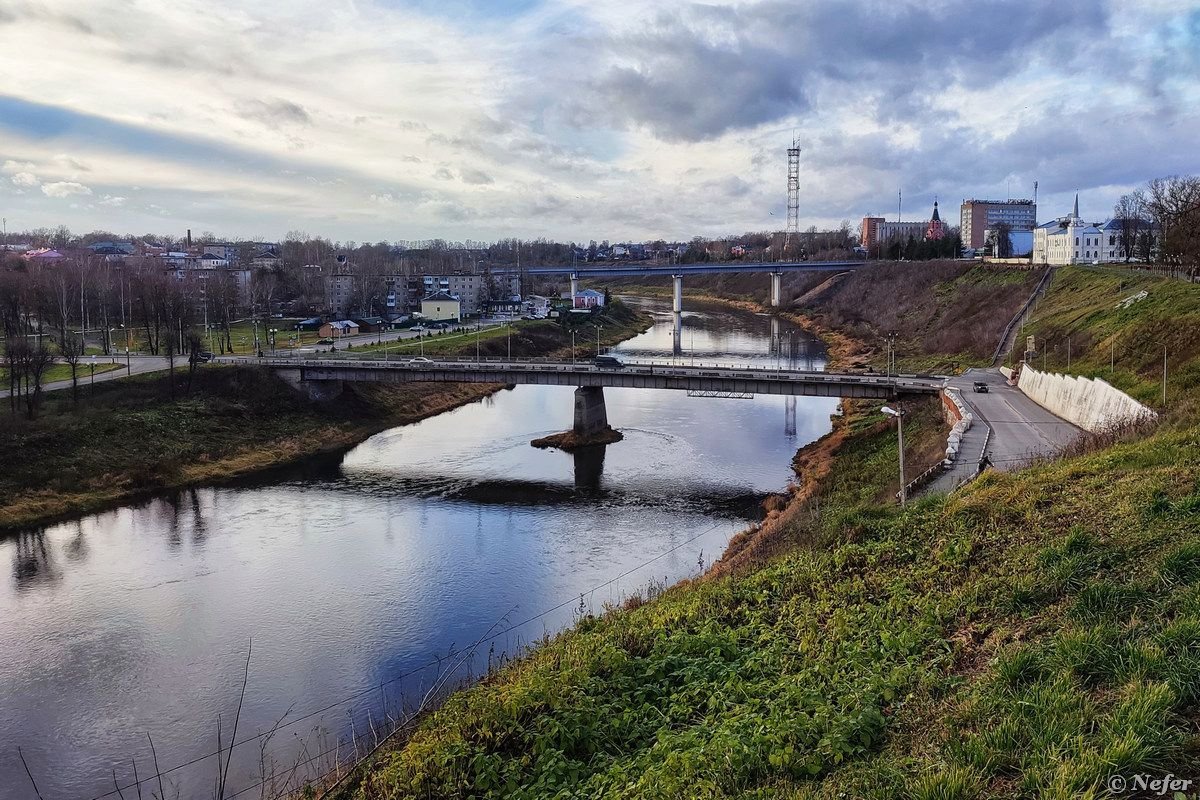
468,119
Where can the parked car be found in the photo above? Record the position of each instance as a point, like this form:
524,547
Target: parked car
980,386
608,362
326,340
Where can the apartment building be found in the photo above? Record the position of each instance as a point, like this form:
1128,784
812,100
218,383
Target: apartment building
977,217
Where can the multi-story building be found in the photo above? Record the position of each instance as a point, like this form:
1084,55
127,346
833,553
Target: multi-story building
869,232
979,216
890,231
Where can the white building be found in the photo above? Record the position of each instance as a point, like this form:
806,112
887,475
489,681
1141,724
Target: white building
1071,240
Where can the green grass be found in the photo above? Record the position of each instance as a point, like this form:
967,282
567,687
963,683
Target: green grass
1123,346
893,663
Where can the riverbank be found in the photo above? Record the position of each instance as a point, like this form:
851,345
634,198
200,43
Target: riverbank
131,439
1035,634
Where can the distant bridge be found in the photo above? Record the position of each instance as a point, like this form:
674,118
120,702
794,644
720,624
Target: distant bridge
773,268
628,270
323,378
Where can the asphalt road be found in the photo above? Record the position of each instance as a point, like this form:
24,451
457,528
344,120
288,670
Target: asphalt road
137,366
1021,429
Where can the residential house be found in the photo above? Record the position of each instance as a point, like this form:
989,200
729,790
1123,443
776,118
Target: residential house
372,324
226,251
441,306
588,298
266,256
338,329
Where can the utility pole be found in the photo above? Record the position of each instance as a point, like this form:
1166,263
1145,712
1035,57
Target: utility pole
899,415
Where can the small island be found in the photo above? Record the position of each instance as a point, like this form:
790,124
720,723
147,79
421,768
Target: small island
569,441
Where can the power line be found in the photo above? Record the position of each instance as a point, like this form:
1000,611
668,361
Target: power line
117,790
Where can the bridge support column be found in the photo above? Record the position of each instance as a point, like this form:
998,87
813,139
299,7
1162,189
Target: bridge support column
591,417
776,289
677,334
678,307
574,287
316,391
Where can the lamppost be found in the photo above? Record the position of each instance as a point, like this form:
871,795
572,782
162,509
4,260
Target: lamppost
271,336
572,347
899,415
128,359
598,327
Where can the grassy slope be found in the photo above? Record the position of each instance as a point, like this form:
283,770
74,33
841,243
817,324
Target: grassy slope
1031,636
128,437
1082,307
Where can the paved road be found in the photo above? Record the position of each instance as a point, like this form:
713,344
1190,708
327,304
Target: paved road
1021,430
138,366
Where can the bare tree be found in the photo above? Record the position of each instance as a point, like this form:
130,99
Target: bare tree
71,347
1173,203
35,360
1132,215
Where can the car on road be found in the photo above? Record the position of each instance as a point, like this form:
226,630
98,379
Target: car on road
325,341
204,356
420,360
980,386
608,362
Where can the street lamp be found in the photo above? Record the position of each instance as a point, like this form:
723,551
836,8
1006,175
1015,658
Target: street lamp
899,415
598,327
572,347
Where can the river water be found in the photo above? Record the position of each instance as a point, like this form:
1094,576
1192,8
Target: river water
357,578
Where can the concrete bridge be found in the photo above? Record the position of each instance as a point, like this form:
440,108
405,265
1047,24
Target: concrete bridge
324,378
773,268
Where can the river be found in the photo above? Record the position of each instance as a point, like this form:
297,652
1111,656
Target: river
358,577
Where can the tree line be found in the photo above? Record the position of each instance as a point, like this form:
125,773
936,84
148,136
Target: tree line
1161,221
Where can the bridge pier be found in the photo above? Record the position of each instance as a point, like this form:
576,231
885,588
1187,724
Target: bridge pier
318,391
678,306
677,334
776,289
591,416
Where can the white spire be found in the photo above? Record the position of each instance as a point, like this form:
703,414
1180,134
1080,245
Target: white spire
1075,211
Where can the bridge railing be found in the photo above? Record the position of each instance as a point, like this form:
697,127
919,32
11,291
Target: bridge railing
666,369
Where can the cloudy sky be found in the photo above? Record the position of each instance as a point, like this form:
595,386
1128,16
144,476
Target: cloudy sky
576,119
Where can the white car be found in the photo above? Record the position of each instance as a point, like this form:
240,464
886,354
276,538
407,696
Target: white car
420,360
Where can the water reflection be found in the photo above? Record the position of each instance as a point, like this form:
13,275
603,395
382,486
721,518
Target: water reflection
33,562
354,569
589,467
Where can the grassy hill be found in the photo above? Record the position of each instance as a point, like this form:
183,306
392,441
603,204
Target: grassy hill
1084,316
1029,637
1032,635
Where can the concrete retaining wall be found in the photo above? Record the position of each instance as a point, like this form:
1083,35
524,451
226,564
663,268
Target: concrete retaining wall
1089,403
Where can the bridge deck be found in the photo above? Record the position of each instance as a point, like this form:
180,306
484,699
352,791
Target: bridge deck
641,375
632,269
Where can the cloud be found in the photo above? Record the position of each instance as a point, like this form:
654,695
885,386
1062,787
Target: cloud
111,200
64,189
11,166
273,113
614,119
25,180
476,177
